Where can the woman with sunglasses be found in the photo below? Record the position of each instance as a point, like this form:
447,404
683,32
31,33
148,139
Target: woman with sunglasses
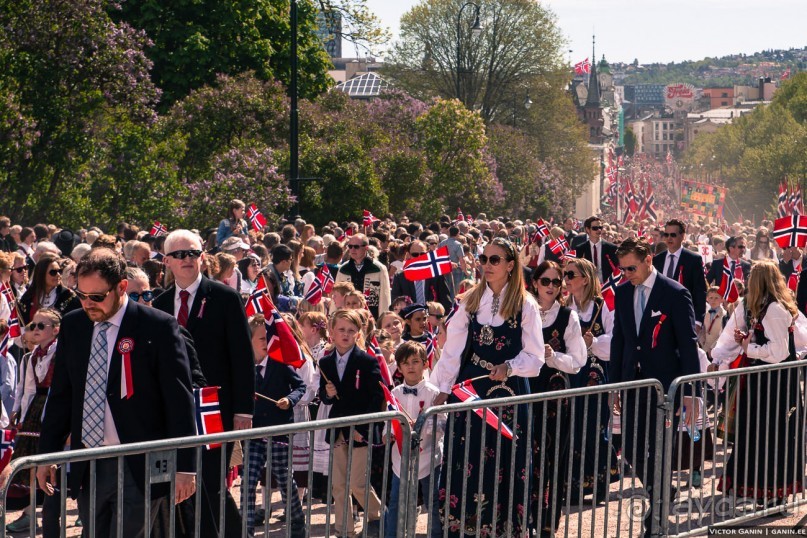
19,275
6,261
564,355
591,465
762,247
495,344
47,291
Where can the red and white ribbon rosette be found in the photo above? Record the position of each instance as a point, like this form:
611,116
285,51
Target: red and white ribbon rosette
656,330
125,347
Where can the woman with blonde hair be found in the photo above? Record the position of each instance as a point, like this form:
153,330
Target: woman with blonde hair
767,460
494,344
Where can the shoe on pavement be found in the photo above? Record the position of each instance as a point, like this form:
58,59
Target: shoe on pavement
23,524
697,480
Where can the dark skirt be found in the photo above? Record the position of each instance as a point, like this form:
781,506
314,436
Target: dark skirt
27,441
496,469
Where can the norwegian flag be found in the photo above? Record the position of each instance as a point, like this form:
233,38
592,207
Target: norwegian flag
314,293
460,216
568,255
541,229
428,265
8,293
649,209
7,440
4,344
610,284
347,233
466,392
256,218
327,279
798,208
728,286
792,203
781,206
158,229
558,246
208,412
14,329
431,346
790,231
450,315
255,302
394,405
367,218
280,343
582,68
793,280
374,350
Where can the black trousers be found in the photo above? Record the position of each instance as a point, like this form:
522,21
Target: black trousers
106,511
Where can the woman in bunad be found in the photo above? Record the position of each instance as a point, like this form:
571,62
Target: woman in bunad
494,345
565,355
766,463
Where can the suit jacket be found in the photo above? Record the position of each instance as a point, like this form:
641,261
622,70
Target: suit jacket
787,269
608,252
689,273
278,381
222,341
359,390
162,404
801,292
436,289
676,348
715,274
578,240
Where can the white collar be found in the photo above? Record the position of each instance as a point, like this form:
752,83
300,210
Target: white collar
263,363
194,285
650,280
676,253
345,356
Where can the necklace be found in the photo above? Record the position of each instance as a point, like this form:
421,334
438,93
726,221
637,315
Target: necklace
486,333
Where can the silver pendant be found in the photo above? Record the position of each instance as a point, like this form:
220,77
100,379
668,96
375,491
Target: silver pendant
486,335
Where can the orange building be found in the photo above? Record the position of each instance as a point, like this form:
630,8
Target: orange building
719,97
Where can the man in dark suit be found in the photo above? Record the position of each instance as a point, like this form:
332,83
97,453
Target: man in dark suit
735,246
350,382
601,253
91,400
568,230
653,338
431,289
791,260
683,266
215,317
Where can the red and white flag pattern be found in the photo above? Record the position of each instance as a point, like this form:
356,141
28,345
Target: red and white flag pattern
728,286
208,412
429,265
256,218
790,231
158,229
466,392
394,405
374,350
582,68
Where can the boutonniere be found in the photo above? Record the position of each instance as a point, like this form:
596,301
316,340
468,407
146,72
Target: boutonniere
357,379
202,308
125,347
656,330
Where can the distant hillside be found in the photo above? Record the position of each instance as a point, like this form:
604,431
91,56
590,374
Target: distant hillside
714,72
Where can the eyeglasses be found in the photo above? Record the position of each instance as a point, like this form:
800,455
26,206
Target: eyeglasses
54,272
20,269
596,228
741,247
182,254
146,295
628,269
94,297
494,260
352,247
438,316
415,254
432,243
671,234
571,275
41,326
546,281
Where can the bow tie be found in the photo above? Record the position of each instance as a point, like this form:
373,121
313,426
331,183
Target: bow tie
413,392
713,310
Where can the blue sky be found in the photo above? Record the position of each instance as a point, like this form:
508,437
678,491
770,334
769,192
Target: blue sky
660,30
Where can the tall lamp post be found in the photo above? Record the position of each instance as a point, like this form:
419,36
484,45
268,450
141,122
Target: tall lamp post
294,145
476,30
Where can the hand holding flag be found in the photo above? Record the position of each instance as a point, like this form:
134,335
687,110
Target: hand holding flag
466,393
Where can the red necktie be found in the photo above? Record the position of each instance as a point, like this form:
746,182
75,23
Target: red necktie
182,316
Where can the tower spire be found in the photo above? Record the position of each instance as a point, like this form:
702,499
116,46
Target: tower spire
593,98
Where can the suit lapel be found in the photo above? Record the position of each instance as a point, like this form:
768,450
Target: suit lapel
201,297
351,369
653,300
83,350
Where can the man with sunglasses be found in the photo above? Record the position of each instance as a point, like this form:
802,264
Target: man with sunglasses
683,266
89,402
367,275
421,291
215,317
735,248
653,338
599,252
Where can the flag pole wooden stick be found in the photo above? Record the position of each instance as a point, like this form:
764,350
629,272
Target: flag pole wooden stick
327,380
259,395
402,410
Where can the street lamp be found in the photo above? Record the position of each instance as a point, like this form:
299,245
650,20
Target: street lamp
476,31
527,105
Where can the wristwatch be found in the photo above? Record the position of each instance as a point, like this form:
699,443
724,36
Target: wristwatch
509,369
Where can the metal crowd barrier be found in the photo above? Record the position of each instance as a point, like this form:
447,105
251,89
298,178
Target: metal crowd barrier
750,451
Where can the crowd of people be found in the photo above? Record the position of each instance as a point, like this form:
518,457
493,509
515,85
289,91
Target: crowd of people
165,314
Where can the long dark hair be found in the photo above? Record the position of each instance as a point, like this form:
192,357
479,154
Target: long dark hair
38,283
539,271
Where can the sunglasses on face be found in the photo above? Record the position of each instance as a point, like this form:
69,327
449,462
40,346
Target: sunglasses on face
146,295
671,234
494,260
571,275
54,272
94,297
741,247
438,316
41,326
352,247
596,228
20,269
628,269
546,281
182,254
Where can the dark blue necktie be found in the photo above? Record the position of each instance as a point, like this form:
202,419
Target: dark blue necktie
413,392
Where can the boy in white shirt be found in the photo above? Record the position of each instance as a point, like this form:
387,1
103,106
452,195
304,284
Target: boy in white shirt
415,396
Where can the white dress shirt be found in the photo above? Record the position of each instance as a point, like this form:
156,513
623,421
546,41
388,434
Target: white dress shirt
527,363
431,455
192,289
576,355
341,362
600,345
598,260
110,432
648,284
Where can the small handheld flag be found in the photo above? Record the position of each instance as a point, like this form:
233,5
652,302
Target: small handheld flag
394,405
429,265
374,350
208,412
790,231
158,229
466,393
256,218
